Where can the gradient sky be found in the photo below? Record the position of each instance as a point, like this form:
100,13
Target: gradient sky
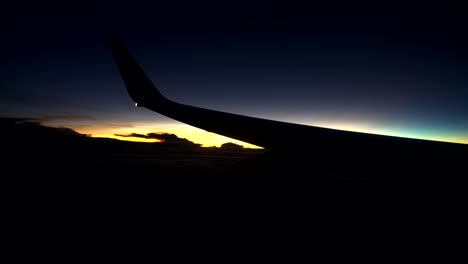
385,68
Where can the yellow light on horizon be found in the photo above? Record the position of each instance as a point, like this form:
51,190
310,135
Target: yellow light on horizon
208,139
196,135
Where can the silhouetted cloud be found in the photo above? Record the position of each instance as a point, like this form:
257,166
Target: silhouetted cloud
231,146
166,138
26,131
133,135
15,120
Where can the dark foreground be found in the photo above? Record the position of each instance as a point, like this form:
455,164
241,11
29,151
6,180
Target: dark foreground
61,169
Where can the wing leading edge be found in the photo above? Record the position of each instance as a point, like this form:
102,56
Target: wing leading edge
261,132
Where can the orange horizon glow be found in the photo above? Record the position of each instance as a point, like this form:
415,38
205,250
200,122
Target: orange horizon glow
196,135
208,139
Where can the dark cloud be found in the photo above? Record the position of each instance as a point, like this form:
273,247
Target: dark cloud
16,120
132,135
166,138
231,146
25,131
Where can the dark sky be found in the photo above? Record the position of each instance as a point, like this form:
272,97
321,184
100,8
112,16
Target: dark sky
396,68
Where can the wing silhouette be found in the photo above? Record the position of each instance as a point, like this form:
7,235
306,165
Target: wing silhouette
335,155
257,131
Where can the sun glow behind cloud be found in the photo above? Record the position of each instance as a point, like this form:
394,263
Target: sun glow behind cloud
196,135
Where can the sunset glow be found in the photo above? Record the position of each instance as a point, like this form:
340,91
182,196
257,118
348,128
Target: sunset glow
208,139
199,136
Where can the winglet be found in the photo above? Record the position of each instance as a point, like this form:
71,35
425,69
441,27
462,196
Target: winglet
140,88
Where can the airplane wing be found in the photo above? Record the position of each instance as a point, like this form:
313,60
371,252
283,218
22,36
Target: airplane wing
335,155
257,131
